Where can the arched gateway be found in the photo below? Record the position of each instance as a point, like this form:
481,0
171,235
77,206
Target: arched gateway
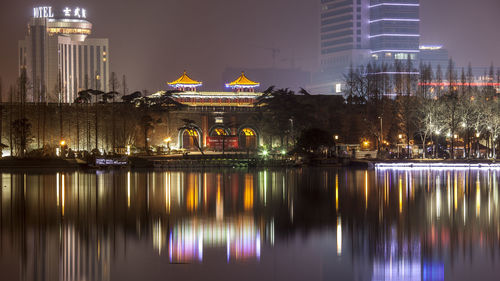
248,138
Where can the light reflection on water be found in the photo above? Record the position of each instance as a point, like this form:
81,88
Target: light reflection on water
297,224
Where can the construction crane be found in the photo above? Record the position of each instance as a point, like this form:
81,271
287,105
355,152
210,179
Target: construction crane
274,53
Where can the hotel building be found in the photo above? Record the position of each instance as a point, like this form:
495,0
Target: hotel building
59,59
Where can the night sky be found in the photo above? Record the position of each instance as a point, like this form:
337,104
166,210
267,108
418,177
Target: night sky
154,41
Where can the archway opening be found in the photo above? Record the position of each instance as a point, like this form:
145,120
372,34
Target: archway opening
190,138
248,139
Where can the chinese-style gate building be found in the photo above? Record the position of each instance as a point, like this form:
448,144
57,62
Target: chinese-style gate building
221,120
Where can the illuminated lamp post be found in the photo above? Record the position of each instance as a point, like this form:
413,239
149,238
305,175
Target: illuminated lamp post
400,138
167,141
478,151
62,148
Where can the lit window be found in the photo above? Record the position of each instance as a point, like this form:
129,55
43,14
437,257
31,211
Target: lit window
248,132
338,88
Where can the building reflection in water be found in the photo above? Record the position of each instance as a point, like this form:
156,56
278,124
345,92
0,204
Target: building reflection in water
392,224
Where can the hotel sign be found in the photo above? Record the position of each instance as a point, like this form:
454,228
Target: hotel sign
48,12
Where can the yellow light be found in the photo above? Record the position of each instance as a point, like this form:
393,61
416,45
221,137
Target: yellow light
336,137
337,192
167,140
63,142
366,143
400,136
400,195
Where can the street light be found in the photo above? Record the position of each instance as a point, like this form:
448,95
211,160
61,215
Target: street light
336,137
168,140
63,143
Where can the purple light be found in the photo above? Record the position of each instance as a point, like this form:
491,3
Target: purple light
393,19
436,166
395,35
395,4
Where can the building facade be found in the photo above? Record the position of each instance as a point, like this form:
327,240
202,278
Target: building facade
59,59
356,32
394,30
344,35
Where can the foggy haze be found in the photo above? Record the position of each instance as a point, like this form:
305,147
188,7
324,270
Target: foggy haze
152,42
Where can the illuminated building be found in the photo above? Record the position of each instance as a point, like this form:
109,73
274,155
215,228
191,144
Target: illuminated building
344,40
217,130
355,32
58,57
434,55
394,30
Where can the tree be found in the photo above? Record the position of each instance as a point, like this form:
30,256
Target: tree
313,140
22,135
192,130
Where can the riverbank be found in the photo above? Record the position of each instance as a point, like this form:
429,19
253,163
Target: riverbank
232,161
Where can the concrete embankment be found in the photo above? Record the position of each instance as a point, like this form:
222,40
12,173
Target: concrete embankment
197,161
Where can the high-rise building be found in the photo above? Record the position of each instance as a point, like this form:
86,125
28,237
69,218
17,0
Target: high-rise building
435,55
344,35
355,32
59,59
394,30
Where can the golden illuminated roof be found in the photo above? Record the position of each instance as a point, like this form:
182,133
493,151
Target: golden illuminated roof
243,82
185,81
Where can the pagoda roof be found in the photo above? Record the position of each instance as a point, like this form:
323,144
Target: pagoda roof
243,82
185,81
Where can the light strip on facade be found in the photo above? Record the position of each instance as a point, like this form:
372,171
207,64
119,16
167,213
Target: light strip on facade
396,72
431,47
395,51
395,4
391,19
394,35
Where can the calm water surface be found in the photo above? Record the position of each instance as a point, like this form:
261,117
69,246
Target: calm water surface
297,224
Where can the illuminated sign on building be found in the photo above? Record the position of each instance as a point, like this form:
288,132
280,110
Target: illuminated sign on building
43,12
47,12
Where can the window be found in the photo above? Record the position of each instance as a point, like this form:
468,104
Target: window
338,88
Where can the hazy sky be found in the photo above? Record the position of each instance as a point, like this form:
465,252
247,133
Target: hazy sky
153,41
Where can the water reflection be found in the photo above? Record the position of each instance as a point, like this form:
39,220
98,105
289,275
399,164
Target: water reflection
314,224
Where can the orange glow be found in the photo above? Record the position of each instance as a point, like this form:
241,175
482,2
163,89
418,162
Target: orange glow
337,192
192,194
248,193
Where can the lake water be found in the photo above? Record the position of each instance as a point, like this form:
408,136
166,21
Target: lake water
282,224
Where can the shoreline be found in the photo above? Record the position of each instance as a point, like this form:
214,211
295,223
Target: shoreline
232,161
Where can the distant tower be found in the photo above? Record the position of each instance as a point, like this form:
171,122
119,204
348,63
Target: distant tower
185,83
243,84
59,59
